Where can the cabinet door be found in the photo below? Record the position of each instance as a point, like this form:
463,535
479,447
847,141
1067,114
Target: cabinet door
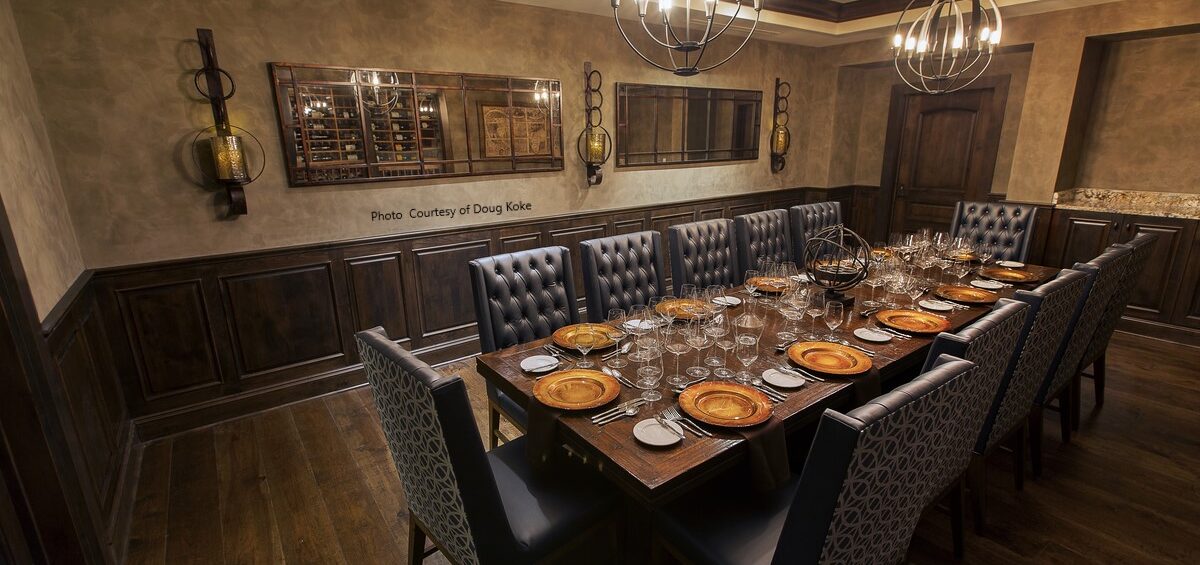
1077,236
1157,290
1187,305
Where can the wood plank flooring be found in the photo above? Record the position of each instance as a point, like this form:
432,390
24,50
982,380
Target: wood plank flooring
313,482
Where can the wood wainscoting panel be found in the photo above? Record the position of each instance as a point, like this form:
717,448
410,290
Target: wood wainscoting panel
1079,235
1157,289
283,319
170,337
377,294
442,287
519,239
569,234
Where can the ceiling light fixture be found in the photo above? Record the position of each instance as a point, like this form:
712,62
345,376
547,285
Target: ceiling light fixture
678,36
945,49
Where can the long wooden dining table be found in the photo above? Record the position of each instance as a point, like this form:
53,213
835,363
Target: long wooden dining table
653,476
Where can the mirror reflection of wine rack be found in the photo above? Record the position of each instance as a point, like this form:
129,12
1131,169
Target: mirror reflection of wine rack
345,125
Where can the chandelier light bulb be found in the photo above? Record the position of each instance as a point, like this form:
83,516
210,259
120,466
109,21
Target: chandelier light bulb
897,41
664,5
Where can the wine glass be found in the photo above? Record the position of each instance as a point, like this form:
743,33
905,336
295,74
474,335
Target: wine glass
727,343
914,288
941,243
649,373
665,313
715,328
834,314
751,283
816,309
687,291
747,354
677,346
985,253
698,340
584,342
873,280
616,319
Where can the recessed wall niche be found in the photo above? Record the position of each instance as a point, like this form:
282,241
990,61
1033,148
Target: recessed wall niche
342,125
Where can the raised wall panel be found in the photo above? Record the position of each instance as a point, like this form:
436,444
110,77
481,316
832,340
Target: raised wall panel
711,213
740,209
170,337
1187,313
520,241
569,237
1154,297
1078,236
283,318
377,294
91,414
440,272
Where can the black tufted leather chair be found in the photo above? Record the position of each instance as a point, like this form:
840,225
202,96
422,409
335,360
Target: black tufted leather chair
1050,308
868,476
520,297
1141,247
479,507
702,253
1008,227
808,219
622,271
763,236
1103,280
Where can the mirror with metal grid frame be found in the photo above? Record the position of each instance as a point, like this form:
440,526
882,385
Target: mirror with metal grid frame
671,125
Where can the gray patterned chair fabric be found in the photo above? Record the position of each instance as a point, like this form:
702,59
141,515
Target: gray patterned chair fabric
622,271
808,219
763,236
520,297
480,507
1051,306
1007,227
702,253
868,476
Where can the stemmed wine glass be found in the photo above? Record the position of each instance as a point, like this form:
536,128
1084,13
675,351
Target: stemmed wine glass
584,342
834,314
677,346
727,343
914,289
639,322
666,314
617,331
751,283
714,325
650,373
698,340
816,309
747,354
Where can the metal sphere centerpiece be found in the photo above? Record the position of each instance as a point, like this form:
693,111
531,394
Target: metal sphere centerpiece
837,259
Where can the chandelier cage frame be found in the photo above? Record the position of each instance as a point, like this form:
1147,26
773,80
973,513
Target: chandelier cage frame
683,43
939,49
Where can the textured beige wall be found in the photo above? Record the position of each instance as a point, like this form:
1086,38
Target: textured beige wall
118,77
1144,132
29,181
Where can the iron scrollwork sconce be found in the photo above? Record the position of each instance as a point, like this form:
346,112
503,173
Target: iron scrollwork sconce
227,151
781,138
594,144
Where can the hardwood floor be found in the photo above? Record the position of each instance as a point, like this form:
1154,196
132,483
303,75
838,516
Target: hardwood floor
313,482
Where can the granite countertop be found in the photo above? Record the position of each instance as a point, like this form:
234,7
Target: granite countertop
1162,204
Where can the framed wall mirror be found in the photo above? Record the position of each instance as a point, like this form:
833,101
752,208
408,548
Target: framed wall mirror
670,125
343,125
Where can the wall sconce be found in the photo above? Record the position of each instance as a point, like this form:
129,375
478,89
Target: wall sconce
781,138
594,144
225,147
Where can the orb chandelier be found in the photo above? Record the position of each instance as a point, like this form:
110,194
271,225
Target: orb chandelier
945,49
681,38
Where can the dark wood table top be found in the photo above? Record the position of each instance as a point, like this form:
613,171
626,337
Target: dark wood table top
655,476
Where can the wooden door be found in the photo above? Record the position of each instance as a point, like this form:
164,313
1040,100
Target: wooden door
941,149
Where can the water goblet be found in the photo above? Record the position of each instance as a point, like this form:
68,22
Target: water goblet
715,329
649,374
698,340
677,346
617,331
833,316
747,354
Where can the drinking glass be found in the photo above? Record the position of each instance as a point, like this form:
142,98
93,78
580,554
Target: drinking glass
941,243
698,340
687,291
649,373
727,343
898,285
793,314
639,322
616,319
677,346
834,314
873,280
816,309
715,328
750,286
915,288
584,342
667,315
747,354
986,253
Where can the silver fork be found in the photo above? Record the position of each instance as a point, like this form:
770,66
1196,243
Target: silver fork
672,414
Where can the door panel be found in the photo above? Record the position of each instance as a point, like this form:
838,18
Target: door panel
1157,290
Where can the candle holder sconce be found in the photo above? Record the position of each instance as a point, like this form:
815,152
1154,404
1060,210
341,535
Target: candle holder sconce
781,138
594,144
225,149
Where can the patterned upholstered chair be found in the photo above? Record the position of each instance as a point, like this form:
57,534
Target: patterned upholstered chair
479,507
1141,247
622,271
868,476
762,236
1008,227
808,219
1050,308
1104,274
520,297
702,253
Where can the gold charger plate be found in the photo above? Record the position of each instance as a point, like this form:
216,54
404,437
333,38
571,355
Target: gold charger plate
882,252
565,336
966,294
725,404
912,321
962,256
1007,275
768,284
829,358
576,389
684,308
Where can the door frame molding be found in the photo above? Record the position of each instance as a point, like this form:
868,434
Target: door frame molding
897,110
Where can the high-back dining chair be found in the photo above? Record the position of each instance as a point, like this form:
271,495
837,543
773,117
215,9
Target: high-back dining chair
702,253
868,476
520,297
1140,247
763,236
479,507
1104,272
807,220
1005,226
622,271
1051,306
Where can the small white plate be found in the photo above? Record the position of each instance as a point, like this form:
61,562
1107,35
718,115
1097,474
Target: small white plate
539,364
633,325
987,285
730,301
872,336
650,432
936,305
781,379
1011,264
